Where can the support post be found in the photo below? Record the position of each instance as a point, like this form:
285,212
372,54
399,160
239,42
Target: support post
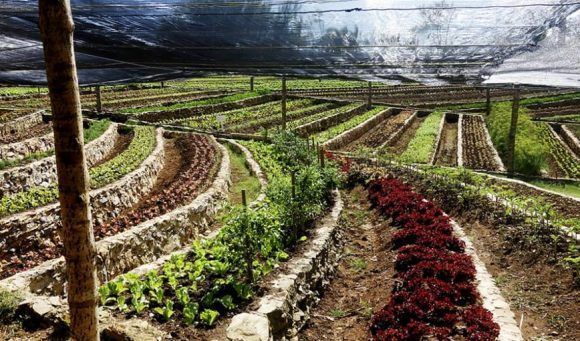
293,181
513,131
56,30
162,85
370,96
487,102
252,83
322,157
284,95
244,198
99,103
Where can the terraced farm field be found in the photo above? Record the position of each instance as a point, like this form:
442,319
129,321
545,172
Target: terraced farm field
206,213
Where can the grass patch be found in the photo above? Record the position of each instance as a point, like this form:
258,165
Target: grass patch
242,178
8,304
530,152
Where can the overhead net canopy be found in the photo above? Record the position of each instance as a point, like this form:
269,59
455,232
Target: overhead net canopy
525,41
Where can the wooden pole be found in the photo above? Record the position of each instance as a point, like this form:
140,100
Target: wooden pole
162,85
513,130
322,157
293,181
56,29
370,96
284,94
244,198
252,83
99,103
487,101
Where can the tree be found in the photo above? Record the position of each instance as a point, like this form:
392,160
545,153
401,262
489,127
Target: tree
56,29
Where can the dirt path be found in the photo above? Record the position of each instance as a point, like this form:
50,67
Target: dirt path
447,155
537,289
400,144
381,133
364,278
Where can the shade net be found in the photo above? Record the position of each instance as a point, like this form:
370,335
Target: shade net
498,41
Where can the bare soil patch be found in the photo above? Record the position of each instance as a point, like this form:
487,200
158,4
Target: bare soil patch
400,144
34,131
381,133
447,155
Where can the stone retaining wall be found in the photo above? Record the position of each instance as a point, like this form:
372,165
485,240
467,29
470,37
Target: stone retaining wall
43,172
19,150
327,122
21,124
157,116
570,139
106,202
490,294
355,133
285,308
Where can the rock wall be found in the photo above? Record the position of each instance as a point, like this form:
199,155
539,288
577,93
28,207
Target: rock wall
106,202
20,149
285,308
157,116
570,140
355,133
21,124
140,245
327,122
43,172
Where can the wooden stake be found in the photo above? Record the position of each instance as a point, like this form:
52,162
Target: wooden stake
99,103
162,85
513,130
487,101
284,94
370,96
244,199
252,83
56,30
322,157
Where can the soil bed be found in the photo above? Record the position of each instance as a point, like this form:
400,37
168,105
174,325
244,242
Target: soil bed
447,155
34,131
190,162
364,278
400,145
381,133
540,290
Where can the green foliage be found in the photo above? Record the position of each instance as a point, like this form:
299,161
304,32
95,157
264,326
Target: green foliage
192,104
247,114
140,147
8,304
341,128
217,275
96,129
422,146
564,158
530,151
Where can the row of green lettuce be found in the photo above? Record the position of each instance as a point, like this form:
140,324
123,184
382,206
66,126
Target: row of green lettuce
218,275
141,146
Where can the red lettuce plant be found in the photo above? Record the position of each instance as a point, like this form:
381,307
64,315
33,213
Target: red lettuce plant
435,297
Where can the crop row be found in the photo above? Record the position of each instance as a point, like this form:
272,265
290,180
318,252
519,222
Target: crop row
477,154
380,133
344,126
189,104
563,157
422,146
233,117
95,129
198,163
436,295
140,147
218,275
311,118
269,121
